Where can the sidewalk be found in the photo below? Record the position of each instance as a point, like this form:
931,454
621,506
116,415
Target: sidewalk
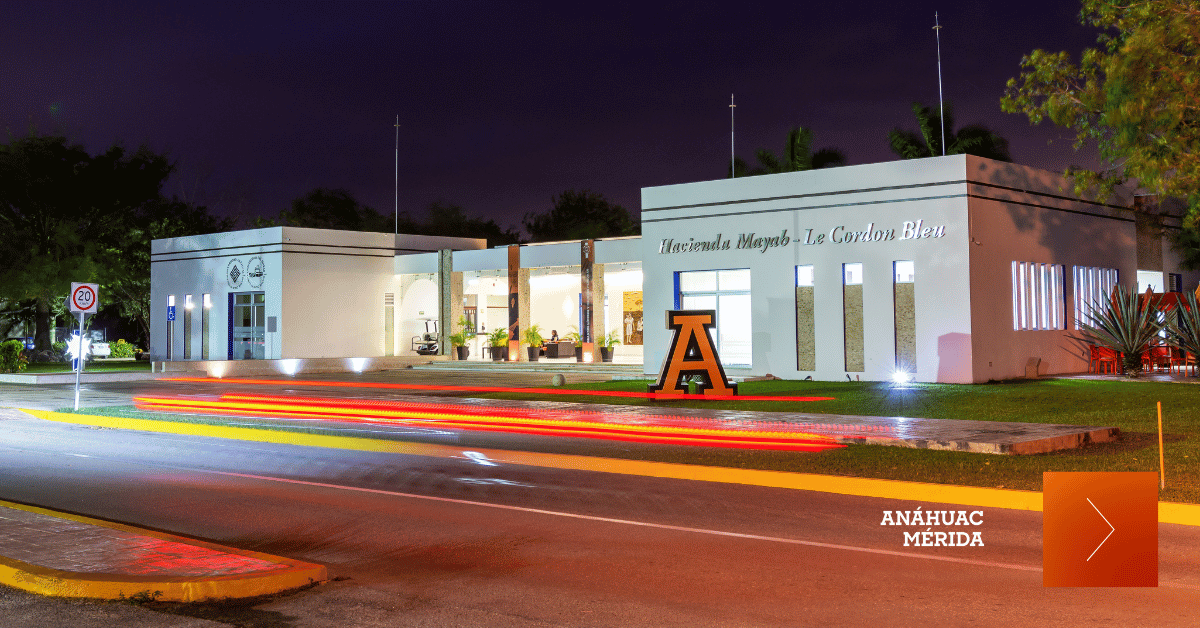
54,553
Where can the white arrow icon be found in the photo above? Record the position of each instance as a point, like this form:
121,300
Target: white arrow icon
1112,529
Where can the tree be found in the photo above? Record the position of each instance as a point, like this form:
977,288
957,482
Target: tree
579,216
797,156
1137,96
125,272
325,208
973,139
448,219
59,208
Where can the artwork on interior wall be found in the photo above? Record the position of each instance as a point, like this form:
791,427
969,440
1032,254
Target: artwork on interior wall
631,318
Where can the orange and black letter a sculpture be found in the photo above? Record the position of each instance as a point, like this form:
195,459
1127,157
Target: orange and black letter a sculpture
692,352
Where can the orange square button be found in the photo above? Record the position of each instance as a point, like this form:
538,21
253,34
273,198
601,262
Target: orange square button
1099,529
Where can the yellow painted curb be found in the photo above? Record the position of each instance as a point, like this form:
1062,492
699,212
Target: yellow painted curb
46,581
1168,512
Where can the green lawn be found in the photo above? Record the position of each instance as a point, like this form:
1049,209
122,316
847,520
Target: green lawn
90,367
1127,405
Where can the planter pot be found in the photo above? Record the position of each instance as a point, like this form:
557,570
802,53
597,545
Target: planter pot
499,354
463,352
606,354
533,353
579,354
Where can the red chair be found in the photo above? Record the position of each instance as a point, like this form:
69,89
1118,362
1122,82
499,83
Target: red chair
1157,357
1182,361
1102,360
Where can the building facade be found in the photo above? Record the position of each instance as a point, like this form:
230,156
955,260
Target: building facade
948,269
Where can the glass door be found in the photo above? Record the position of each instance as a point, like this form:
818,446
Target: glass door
248,339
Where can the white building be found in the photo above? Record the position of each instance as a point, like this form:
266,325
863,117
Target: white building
953,269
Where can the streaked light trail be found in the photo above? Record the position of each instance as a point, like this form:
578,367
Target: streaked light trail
496,389
632,427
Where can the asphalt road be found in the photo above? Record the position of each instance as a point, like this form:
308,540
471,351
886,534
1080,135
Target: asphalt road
454,541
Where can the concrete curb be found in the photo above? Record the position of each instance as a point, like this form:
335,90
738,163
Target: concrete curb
46,581
85,377
1168,512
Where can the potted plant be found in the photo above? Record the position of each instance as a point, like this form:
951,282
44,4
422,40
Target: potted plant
459,340
606,346
574,337
533,337
498,341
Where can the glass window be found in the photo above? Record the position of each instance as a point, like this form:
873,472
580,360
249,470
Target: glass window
728,293
804,276
1092,289
698,281
905,272
1038,296
852,274
1152,279
733,279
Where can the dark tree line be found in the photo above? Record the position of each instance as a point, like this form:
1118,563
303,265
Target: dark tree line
70,216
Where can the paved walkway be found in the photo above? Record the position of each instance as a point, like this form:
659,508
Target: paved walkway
54,553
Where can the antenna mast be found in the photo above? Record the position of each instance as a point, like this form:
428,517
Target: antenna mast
397,174
937,29
732,159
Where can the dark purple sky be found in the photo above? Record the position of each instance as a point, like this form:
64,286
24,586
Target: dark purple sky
503,105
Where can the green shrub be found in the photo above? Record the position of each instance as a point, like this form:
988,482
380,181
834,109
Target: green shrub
12,357
60,346
122,349
1126,323
498,337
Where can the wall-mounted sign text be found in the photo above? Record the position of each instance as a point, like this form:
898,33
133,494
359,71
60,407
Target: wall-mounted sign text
908,230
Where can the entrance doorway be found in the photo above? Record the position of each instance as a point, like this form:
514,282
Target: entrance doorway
247,326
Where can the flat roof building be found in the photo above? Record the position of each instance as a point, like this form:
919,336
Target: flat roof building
949,269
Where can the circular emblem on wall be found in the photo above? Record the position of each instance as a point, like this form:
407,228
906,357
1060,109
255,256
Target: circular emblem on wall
256,270
235,272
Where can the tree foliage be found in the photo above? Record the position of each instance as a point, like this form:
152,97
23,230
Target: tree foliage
973,139
59,208
125,271
448,219
798,155
325,208
1136,96
579,216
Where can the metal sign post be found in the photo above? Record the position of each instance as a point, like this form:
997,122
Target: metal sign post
84,299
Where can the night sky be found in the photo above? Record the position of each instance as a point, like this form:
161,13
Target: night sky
504,105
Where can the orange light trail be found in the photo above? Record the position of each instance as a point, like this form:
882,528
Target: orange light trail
499,389
675,430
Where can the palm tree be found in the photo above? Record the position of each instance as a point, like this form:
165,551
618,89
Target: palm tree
797,155
973,139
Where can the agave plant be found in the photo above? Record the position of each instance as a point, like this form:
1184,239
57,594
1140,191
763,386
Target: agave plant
1183,326
1125,324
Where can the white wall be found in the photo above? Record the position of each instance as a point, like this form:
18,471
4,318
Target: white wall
325,288
829,203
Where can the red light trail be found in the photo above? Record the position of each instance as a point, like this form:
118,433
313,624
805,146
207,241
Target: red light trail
630,427
497,389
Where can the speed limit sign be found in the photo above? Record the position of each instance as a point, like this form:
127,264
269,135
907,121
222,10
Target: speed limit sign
85,298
